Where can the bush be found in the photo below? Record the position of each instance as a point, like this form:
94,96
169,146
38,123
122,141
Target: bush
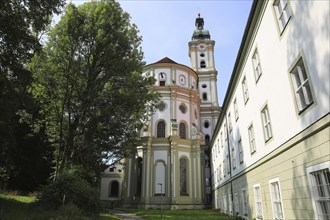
70,188
69,211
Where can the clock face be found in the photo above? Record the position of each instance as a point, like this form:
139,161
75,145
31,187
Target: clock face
182,79
162,75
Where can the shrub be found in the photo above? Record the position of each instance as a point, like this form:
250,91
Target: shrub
70,188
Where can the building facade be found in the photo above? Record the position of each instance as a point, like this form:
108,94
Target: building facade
171,167
271,149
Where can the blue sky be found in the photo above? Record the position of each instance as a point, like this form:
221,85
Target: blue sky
167,26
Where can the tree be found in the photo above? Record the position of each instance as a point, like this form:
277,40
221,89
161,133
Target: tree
21,23
89,86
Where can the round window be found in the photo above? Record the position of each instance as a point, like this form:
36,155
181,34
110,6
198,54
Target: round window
161,106
183,109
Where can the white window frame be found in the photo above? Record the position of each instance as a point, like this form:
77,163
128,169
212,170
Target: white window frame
276,198
236,204
245,90
233,156
266,124
256,65
230,203
317,200
229,121
303,91
236,109
244,202
252,139
258,201
283,13
240,150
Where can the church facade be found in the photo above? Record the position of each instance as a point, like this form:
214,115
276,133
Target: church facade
171,167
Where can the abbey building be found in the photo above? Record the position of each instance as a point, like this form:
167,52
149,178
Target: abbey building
266,154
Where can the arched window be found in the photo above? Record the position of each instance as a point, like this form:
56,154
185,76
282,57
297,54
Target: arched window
207,139
204,97
182,131
203,65
160,185
183,177
113,189
161,129
139,176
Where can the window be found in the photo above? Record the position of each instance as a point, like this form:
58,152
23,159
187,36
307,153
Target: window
183,108
203,65
244,202
252,139
161,129
204,97
207,139
245,90
266,123
236,204
301,86
229,121
202,55
220,172
258,201
233,156
161,106
161,83
183,177
240,150
230,204
206,124
256,65
182,131
319,182
283,13
236,110
276,199
139,176
113,189
160,185
204,86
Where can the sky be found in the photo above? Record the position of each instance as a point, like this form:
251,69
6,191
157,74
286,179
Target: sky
166,27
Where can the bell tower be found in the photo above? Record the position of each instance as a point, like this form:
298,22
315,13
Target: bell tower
201,53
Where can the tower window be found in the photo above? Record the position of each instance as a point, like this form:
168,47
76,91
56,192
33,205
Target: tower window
161,129
206,124
202,55
161,83
207,139
182,131
204,97
204,86
203,65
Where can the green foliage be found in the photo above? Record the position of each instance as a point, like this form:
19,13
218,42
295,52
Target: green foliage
21,24
70,188
69,211
88,83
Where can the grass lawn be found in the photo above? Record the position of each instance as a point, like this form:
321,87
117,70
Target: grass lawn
179,214
24,207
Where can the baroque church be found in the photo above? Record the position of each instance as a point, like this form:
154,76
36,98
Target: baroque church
266,154
172,165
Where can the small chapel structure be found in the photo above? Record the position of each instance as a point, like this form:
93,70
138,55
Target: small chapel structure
171,167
